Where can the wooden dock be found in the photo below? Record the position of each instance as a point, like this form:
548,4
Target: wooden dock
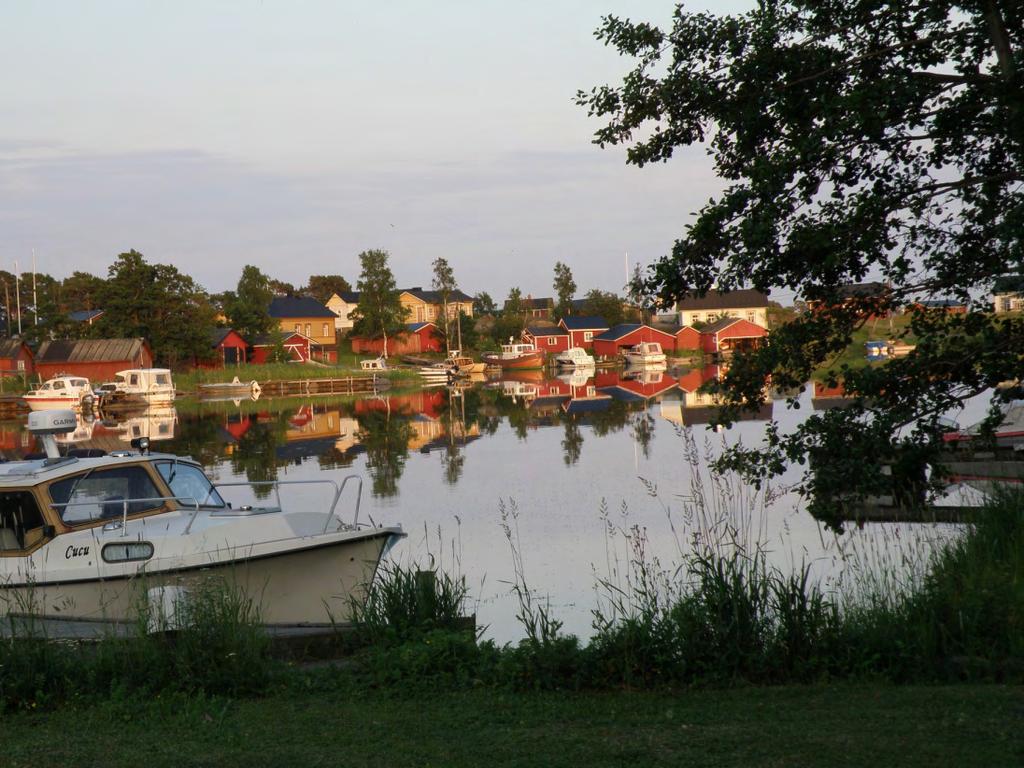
345,385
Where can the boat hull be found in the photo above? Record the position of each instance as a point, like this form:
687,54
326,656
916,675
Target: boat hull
52,403
522,362
313,584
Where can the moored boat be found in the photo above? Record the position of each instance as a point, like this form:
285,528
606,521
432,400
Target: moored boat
645,353
147,385
465,365
77,536
1008,434
230,390
60,392
515,356
574,357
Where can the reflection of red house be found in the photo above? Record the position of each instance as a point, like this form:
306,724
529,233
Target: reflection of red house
418,337
429,402
582,330
687,337
296,345
698,377
625,335
651,384
730,334
15,358
549,338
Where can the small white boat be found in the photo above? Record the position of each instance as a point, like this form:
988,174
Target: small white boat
95,538
376,364
230,390
646,353
151,385
574,357
437,371
465,365
60,392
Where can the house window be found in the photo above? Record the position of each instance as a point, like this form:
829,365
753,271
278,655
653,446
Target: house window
751,317
551,341
21,365
325,330
309,330
588,335
298,327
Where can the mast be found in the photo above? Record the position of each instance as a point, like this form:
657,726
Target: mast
35,303
17,292
7,307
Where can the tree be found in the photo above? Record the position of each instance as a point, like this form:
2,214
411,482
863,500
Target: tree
483,304
565,289
604,304
248,308
160,304
444,283
514,302
80,291
512,320
379,311
879,140
321,287
281,288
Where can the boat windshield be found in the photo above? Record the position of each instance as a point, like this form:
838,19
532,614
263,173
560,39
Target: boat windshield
104,493
189,482
164,379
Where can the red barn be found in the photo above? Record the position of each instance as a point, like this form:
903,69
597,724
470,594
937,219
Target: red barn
15,358
418,337
582,330
298,346
616,340
730,334
687,338
549,338
95,359
229,348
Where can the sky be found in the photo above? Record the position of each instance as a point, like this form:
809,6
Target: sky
293,134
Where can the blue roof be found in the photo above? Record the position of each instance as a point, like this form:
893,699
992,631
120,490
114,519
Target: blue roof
298,306
416,326
591,405
546,330
85,315
584,323
618,331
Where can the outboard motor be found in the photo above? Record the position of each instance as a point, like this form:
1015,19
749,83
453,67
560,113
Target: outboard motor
46,424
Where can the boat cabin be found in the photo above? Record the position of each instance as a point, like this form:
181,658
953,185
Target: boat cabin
513,350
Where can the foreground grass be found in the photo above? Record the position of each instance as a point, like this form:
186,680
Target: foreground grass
862,725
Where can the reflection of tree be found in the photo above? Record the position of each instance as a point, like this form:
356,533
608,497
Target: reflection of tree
643,431
454,460
256,453
198,436
612,419
455,420
386,439
572,443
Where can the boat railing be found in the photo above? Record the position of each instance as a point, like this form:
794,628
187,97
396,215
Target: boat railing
276,485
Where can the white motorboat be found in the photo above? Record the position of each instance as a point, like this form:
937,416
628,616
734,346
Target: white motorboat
574,357
646,353
149,385
437,372
94,538
1008,434
60,392
230,390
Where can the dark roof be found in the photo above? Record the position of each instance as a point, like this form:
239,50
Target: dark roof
719,325
585,323
862,290
941,303
434,297
578,406
349,297
546,330
217,336
417,326
11,347
90,350
84,315
1008,284
531,303
745,297
298,306
618,331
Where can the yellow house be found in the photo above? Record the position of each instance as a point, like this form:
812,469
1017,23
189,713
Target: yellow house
427,306
301,314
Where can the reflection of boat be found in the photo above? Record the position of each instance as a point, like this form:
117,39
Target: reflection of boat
231,390
515,356
82,432
114,517
576,378
150,385
60,392
645,353
1009,433
651,375
574,357
153,424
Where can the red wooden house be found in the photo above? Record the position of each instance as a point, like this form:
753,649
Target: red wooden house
687,338
730,334
583,329
417,337
299,348
16,358
616,340
550,338
94,359
229,348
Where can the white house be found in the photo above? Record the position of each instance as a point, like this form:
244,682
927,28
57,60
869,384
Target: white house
746,304
342,304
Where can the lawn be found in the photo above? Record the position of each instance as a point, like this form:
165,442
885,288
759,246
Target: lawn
855,355
843,725
347,365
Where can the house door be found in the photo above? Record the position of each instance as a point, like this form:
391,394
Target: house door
230,355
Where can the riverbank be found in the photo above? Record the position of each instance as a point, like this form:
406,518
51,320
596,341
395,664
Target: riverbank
821,725
348,365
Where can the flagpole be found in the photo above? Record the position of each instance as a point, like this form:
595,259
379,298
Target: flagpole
35,303
17,291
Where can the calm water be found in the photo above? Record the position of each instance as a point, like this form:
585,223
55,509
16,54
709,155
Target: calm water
570,462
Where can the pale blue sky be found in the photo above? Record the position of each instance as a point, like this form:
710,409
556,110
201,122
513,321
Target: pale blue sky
293,135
